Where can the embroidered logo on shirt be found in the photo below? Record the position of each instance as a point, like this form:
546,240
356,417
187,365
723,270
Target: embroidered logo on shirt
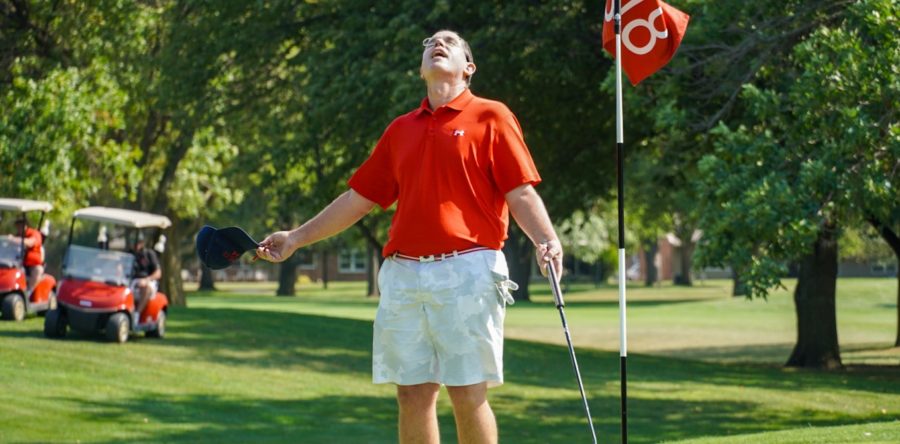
459,132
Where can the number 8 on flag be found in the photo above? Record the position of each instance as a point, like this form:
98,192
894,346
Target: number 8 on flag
651,32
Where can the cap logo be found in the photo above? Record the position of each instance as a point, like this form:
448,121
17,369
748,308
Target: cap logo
231,256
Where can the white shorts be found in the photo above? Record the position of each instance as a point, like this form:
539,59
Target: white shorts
441,322
152,283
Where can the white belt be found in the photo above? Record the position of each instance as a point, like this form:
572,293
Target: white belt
437,257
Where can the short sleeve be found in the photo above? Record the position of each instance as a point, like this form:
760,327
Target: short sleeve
36,235
375,178
511,163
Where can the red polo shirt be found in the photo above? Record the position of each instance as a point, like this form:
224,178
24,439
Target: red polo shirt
34,256
449,171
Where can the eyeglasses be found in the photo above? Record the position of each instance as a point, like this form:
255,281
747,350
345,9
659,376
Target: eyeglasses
448,40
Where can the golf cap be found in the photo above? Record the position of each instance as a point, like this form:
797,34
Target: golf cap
219,248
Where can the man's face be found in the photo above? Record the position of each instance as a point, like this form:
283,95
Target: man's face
20,227
444,54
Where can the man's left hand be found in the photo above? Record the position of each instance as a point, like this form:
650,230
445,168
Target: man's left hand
550,252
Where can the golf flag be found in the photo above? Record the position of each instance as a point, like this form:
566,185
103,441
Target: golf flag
651,32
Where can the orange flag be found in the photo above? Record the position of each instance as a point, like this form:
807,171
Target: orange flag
651,32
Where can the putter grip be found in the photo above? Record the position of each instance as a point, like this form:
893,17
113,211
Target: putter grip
554,285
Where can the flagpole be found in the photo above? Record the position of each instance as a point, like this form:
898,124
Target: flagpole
620,184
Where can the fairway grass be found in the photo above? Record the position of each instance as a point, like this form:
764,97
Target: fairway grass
241,366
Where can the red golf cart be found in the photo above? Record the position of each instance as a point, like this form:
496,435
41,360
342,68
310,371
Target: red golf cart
96,292
16,304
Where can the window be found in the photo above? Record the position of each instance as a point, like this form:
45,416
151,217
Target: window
352,261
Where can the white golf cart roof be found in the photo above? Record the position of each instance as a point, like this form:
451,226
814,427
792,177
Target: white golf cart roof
22,205
118,216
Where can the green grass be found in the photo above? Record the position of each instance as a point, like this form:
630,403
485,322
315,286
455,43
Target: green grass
241,366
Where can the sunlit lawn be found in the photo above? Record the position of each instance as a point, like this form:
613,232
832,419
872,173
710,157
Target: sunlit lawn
242,366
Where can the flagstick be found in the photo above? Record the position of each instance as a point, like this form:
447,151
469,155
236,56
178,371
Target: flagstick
620,176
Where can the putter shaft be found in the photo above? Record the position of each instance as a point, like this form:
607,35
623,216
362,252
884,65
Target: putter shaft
560,303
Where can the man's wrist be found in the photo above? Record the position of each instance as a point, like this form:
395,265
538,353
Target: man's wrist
294,240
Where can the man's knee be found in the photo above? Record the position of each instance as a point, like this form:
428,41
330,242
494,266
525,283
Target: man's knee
417,397
468,397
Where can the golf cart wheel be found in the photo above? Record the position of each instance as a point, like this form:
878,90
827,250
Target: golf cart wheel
13,307
117,328
55,324
160,330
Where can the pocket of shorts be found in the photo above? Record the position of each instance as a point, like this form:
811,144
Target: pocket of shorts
496,263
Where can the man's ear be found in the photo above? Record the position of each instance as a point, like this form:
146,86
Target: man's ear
470,69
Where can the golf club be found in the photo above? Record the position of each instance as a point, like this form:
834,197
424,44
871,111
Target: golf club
557,294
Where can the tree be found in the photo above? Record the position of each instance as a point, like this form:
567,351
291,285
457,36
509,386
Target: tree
669,115
151,85
810,159
57,137
345,90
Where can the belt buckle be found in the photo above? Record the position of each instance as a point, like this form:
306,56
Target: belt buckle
426,258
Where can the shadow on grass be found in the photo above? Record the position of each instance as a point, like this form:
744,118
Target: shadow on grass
70,334
527,413
196,419
277,339
370,419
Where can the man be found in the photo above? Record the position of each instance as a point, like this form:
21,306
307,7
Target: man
145,279
457,167
34,252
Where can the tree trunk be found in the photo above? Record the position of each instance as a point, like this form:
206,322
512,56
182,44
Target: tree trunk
599,273
650,249
374,265
738,287
814,300
287,278
171,283
325,269
686,252
374,258
519,254
207,282
890,236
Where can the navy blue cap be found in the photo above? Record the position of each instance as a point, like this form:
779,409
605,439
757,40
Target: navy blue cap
218,249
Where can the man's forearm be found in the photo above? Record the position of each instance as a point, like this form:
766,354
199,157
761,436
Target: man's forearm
528,210
339,215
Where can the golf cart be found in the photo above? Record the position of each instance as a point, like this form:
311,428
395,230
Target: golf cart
16,304
96,292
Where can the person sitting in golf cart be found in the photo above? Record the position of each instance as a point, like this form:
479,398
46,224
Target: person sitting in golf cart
34,252
147,273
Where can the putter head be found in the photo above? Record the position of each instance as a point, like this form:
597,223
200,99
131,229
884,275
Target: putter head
219,248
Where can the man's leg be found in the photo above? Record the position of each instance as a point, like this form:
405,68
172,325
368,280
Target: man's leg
142,294
475,423
418,413
33,277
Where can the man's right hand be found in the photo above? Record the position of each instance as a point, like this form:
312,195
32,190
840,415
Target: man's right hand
276,247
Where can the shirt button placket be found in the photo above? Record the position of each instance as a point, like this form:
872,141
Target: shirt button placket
429,139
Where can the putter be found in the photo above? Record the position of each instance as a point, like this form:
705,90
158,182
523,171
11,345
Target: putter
557,294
